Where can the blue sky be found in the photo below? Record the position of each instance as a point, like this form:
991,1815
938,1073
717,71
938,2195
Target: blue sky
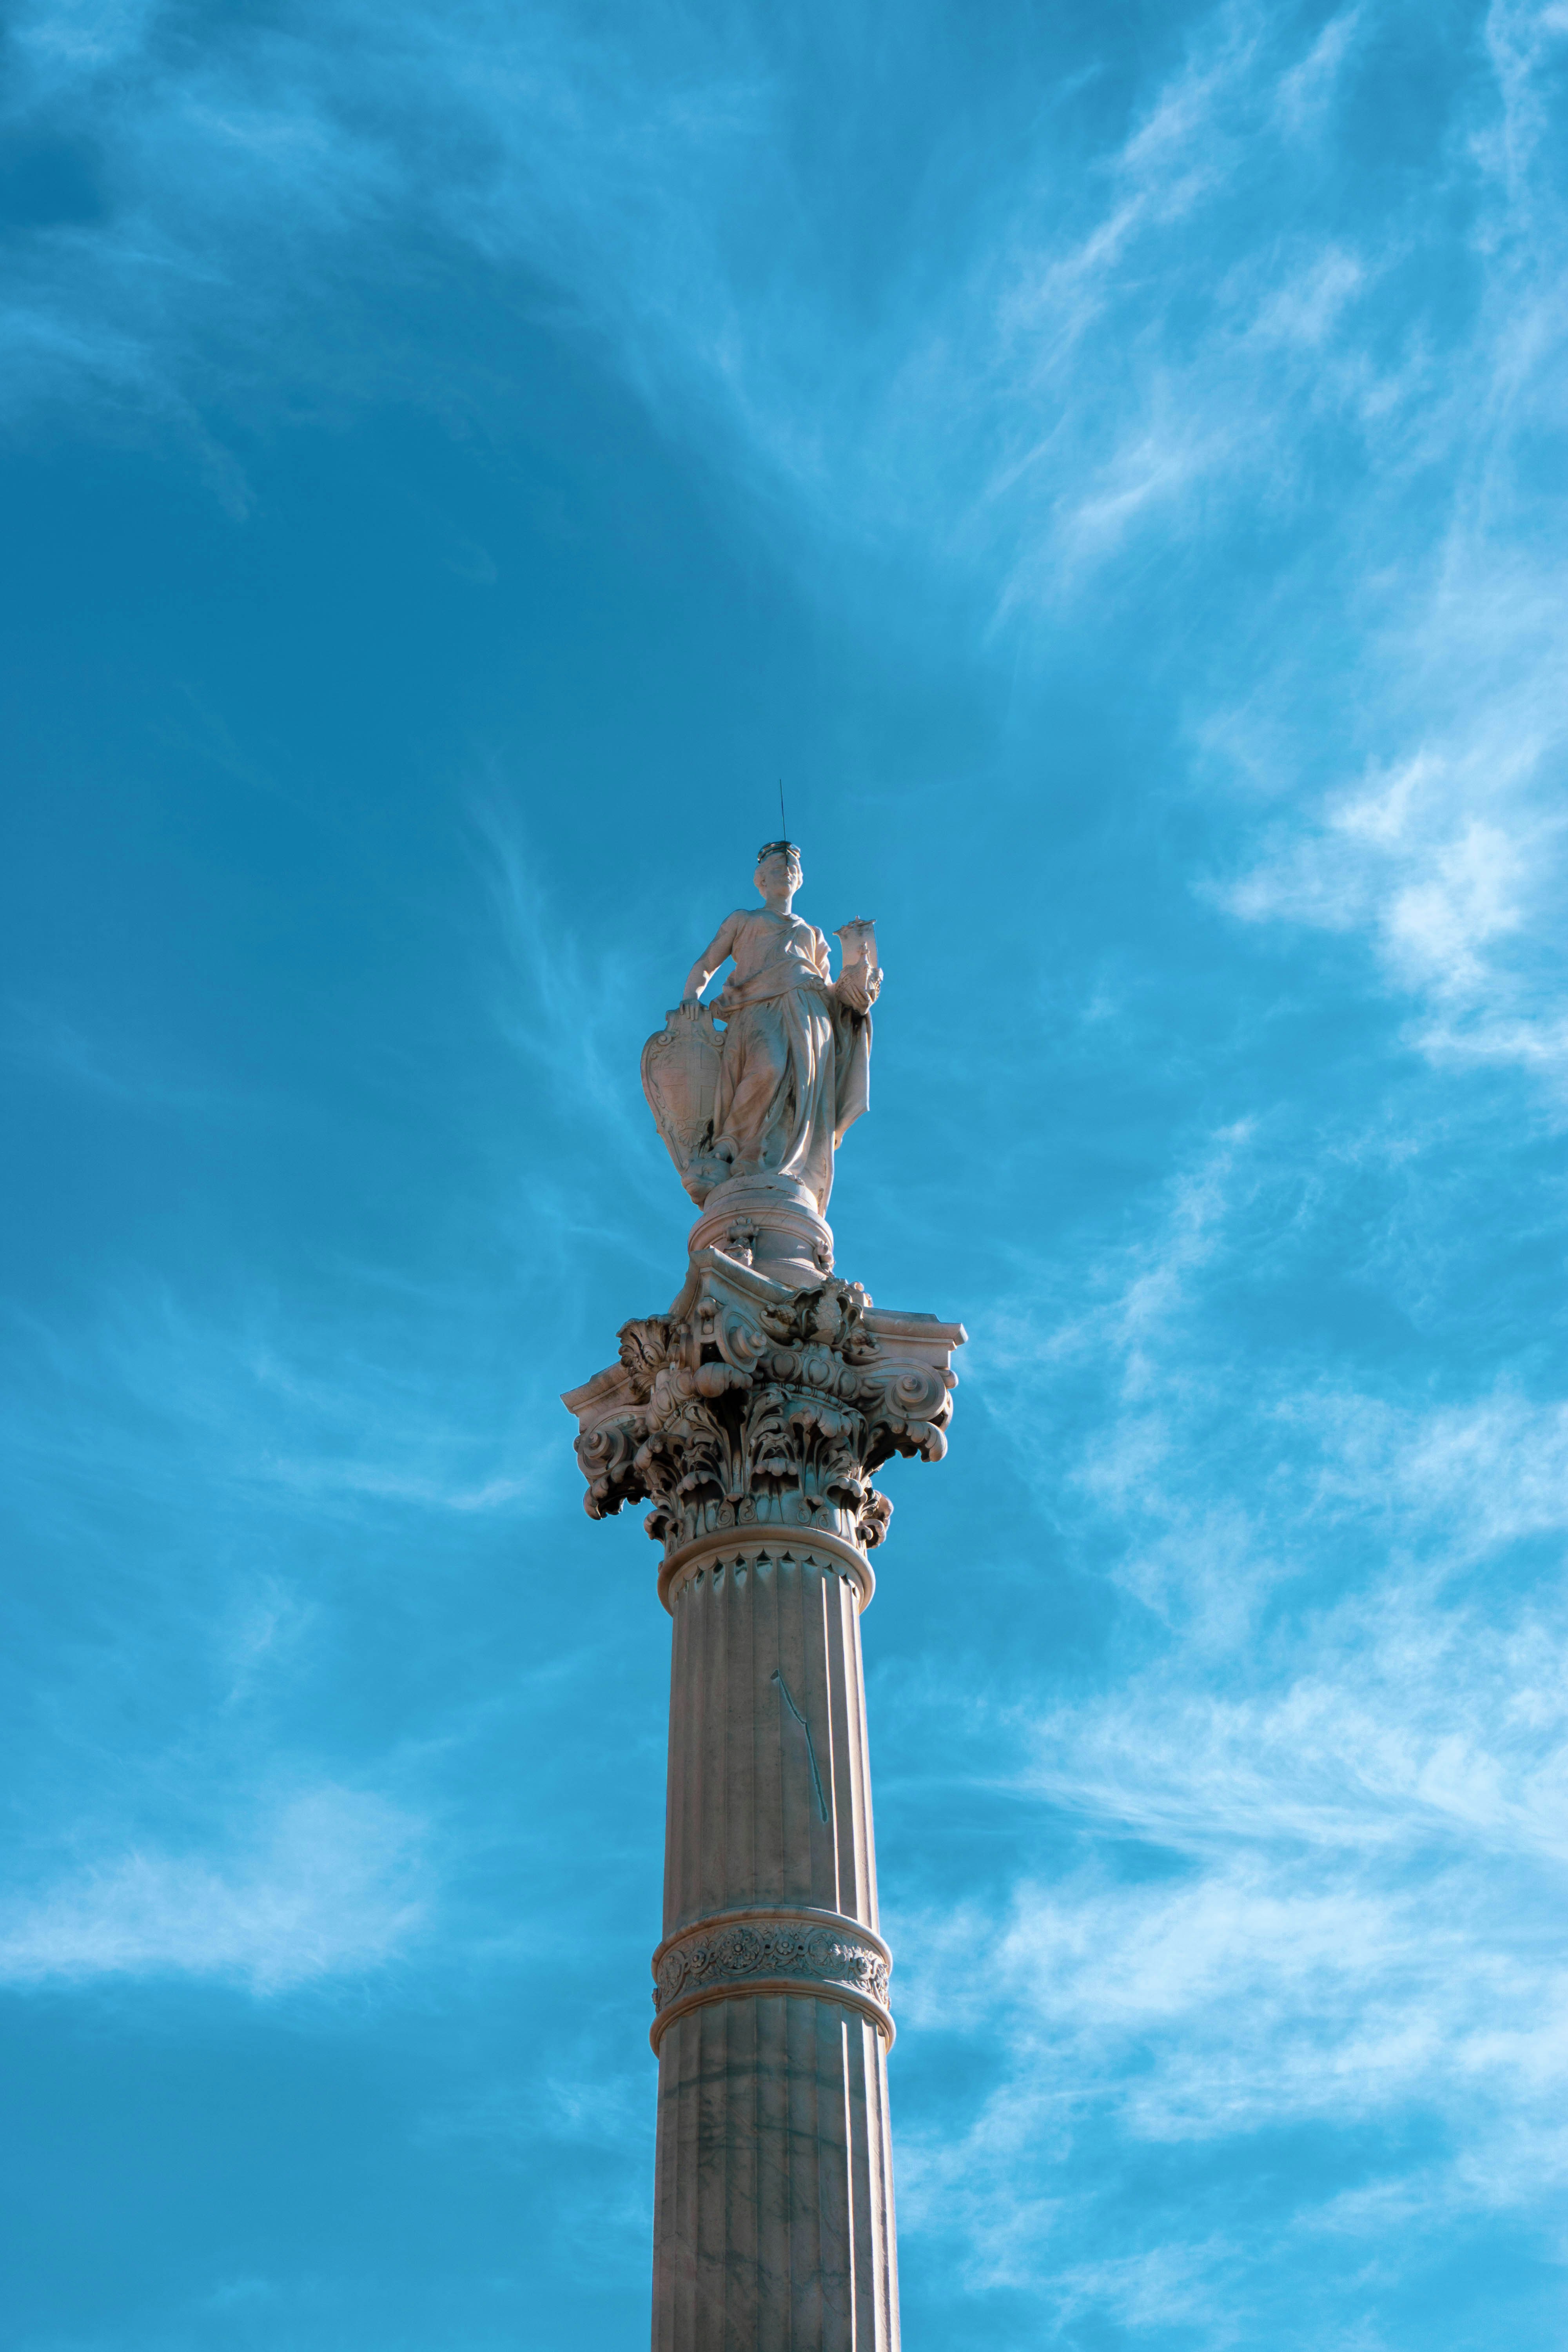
1109,460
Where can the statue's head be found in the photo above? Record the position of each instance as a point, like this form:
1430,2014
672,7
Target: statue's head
778,869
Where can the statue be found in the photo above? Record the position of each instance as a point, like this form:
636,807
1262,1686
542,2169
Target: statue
771,1095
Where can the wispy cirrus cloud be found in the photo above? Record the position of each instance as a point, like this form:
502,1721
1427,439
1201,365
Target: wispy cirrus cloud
258,1398
335,1884
1207,367
42,1042
1163,332
1322,1901
1286,1858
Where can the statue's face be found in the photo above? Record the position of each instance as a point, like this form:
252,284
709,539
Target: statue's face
777,872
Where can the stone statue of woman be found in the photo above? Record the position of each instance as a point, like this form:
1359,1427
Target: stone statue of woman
792,1071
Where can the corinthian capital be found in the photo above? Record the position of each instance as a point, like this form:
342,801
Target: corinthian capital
751,1404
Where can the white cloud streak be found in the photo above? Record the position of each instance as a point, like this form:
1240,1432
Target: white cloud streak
1306,1825
1159,333
335,1885
1319,1814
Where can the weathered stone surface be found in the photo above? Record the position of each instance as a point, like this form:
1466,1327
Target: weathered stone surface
750,1404
772,2117
772,1093
723,1958
774,2214
751,1418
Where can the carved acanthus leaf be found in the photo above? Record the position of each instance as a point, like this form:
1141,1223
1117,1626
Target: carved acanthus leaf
753,1406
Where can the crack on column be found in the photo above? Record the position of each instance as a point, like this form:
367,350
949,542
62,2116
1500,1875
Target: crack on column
810,1744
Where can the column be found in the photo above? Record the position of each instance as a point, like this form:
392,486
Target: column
774,2214
751,1417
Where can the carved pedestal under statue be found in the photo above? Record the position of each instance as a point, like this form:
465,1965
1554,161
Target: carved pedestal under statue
752,1416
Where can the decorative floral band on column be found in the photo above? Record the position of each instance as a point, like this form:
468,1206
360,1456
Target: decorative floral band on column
820,1954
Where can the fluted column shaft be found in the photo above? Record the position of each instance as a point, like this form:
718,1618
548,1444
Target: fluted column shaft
773,2213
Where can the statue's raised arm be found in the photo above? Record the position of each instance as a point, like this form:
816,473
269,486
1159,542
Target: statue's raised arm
770,1096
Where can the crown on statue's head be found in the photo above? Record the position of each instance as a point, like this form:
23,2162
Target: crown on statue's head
788,848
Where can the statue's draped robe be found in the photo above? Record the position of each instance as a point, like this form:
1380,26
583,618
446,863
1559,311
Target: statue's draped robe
797,1053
